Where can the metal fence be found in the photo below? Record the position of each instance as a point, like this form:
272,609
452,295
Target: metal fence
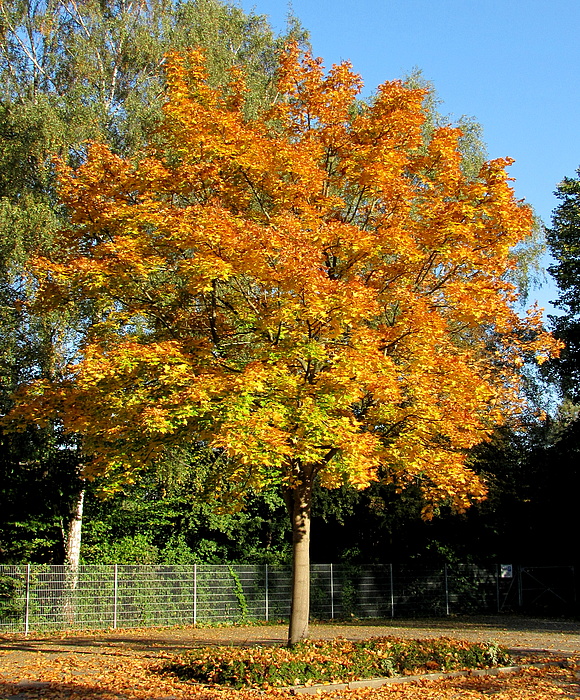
47,597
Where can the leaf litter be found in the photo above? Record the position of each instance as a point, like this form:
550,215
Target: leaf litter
134,675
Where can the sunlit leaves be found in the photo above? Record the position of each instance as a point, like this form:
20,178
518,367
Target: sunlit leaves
332,661
312,286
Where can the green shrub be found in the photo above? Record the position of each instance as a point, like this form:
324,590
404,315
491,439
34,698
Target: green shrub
11,597
338,660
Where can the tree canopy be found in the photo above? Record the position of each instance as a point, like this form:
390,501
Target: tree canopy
314,291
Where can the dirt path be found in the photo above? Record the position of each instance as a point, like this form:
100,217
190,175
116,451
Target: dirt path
120,664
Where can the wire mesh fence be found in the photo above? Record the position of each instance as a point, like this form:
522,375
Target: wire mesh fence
48,597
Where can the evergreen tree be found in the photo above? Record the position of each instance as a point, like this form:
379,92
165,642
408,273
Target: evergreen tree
564,244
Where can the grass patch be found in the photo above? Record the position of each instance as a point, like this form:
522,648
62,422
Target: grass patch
335,661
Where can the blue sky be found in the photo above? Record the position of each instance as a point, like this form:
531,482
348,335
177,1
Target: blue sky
513,65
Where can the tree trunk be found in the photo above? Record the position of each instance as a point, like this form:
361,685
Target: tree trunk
72,548
72,544
301,496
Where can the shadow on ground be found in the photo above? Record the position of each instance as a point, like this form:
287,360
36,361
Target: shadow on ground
512,631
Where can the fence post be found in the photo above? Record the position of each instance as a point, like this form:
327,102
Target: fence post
27,603
195,594
446,590
266,602
331,593
497,587
392,592
115,594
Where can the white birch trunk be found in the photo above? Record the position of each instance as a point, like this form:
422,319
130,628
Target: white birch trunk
72,547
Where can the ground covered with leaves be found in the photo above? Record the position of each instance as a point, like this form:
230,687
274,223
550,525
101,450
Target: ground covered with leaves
121,677
132,666
334,661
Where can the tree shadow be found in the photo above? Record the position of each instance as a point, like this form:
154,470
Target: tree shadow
26,690
515,623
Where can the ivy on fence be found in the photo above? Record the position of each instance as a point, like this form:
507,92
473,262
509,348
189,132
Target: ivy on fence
41,596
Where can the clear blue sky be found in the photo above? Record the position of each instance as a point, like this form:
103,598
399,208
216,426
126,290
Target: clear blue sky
514,65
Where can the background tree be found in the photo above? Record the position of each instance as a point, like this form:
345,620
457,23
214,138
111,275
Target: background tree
564,244
172,521
70,72
521,520
528,271
312,291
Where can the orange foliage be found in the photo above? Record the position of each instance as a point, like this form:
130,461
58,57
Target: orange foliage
315,286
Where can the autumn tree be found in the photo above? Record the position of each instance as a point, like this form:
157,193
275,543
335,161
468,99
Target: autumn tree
314,292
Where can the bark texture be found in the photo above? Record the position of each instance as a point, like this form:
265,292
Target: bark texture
300,515
72,547
72,544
